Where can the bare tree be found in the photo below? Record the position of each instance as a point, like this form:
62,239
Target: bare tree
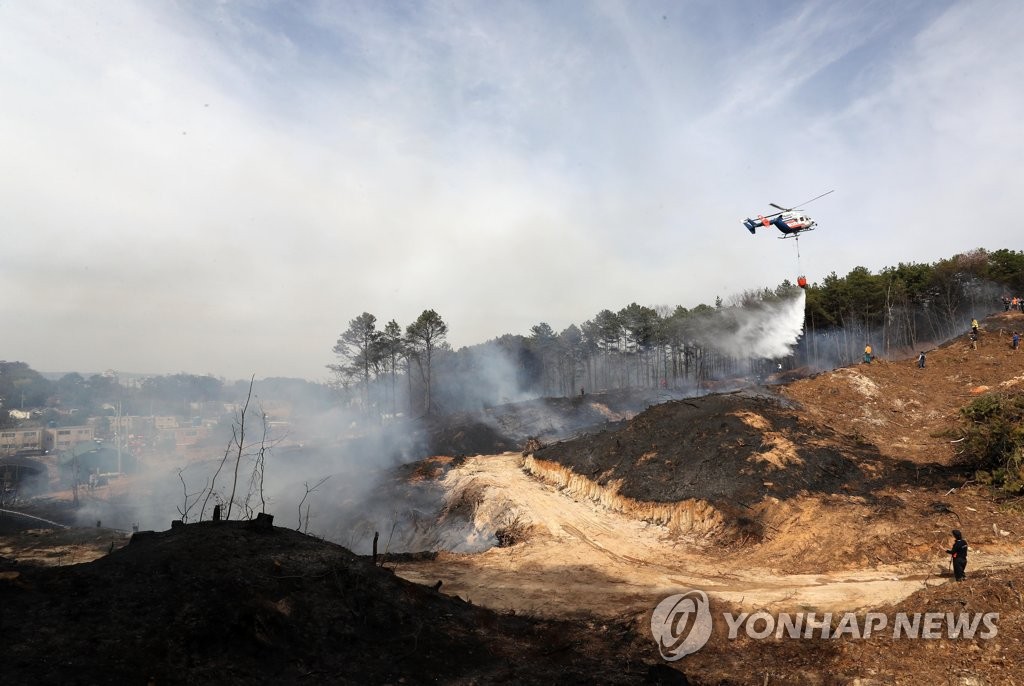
187,506
237,441
256,477
261,463
238,435
304,525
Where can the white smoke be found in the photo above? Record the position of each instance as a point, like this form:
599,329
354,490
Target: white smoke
762,329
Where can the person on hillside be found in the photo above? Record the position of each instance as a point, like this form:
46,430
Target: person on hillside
920,361
868,355
974,326
959,553
1016,340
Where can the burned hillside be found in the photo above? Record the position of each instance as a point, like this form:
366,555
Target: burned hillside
729,450
240,603
509,426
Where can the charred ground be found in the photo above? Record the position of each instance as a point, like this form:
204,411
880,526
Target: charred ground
510,426
237,603
720,448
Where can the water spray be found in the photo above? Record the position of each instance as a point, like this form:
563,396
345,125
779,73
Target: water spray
767,330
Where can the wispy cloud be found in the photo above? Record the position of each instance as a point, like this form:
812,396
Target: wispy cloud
222,186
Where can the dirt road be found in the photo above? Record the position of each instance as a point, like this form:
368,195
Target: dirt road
581,556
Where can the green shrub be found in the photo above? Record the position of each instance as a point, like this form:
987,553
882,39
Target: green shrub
993,439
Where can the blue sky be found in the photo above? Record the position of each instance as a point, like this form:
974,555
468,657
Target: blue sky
220,187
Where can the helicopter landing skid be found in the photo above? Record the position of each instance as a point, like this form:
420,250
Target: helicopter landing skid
795,234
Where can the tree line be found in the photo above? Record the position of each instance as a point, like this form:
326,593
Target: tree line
389,370
905,307
71,398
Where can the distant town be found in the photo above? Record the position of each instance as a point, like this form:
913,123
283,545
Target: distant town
76,430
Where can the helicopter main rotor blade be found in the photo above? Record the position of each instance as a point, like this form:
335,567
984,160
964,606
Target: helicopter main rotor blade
808,202
779,207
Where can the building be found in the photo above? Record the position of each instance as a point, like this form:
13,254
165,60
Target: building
15,440
182,437
136,426
160,423
63,437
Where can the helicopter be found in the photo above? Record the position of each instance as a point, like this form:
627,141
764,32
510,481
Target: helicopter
789,220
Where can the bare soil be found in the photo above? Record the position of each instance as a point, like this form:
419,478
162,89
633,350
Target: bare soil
619,564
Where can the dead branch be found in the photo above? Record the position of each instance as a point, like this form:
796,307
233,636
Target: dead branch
387,547
213,481
186,495
256,477
301,527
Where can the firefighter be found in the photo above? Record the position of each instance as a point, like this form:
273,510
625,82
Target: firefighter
959,555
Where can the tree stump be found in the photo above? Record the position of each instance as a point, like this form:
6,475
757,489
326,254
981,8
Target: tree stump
263,522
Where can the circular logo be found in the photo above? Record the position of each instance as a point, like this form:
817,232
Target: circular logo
681,624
